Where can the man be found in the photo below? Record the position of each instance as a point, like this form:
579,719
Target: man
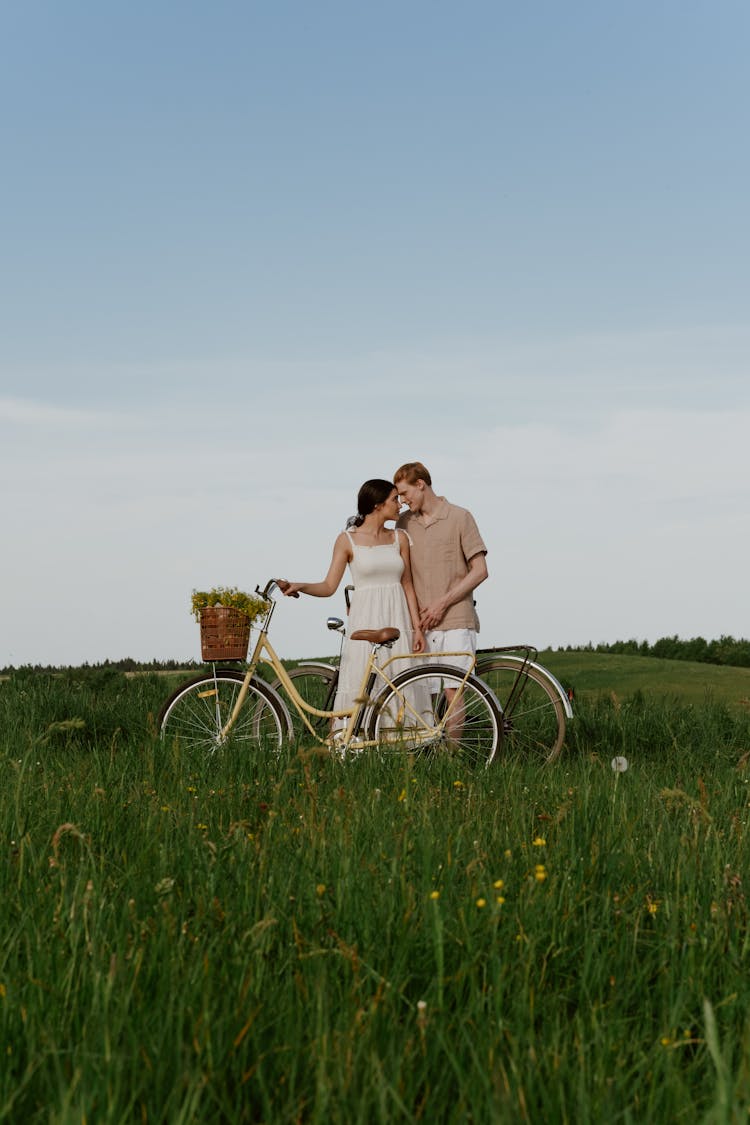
447,561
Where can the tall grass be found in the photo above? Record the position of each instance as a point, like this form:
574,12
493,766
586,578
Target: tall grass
292,938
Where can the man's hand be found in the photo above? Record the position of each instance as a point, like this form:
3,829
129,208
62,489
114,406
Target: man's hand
432,615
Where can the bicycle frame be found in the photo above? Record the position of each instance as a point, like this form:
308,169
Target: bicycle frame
264,653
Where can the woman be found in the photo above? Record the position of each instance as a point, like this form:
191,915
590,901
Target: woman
378,560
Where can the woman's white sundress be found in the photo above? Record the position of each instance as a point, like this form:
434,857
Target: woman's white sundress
378,602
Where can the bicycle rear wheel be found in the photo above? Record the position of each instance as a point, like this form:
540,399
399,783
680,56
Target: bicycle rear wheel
196,713
469,729
534,715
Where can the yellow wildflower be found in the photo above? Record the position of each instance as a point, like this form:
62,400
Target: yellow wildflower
481,902
434,894
540,842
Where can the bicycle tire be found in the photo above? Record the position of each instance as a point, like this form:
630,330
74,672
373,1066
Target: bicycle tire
196,712
480,732
316,683
534,720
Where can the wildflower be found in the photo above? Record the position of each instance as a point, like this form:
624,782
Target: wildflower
665,1040
540,842
320,890
481,902
507,853
434,894
402,795
499,900
458,784
498,884
653,907
540,873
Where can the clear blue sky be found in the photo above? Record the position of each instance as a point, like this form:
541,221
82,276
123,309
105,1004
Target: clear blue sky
256,253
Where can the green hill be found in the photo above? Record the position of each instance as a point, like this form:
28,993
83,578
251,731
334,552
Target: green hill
592,674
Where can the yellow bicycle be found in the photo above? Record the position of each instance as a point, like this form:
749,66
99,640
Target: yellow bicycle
225,707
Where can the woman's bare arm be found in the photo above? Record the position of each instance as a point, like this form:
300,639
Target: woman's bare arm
418,642
342,553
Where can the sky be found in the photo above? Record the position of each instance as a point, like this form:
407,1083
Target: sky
255,254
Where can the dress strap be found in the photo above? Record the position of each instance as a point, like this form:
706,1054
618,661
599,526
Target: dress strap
348,536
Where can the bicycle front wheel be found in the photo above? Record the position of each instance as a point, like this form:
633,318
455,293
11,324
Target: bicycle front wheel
197,712
316,683
533,714
462,718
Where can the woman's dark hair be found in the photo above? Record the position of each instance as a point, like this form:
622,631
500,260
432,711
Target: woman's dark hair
372,493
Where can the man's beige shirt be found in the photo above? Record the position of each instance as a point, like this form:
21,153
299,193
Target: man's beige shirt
440,554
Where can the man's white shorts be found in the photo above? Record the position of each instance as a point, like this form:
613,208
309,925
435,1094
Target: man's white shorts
442,645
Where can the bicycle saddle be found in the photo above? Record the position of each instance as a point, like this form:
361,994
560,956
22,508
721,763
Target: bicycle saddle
376,636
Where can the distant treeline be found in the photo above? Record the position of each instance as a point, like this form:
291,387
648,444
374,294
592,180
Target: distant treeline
126,665
727,650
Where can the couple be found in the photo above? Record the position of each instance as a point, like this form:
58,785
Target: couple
418,578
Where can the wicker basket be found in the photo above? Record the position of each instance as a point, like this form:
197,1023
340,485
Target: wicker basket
225,633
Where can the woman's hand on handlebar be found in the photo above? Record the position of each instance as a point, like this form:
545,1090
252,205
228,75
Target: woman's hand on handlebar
289,589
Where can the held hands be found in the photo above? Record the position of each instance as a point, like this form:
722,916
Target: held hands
289,589
432,615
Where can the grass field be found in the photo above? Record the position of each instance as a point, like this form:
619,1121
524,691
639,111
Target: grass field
289,938
594,673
